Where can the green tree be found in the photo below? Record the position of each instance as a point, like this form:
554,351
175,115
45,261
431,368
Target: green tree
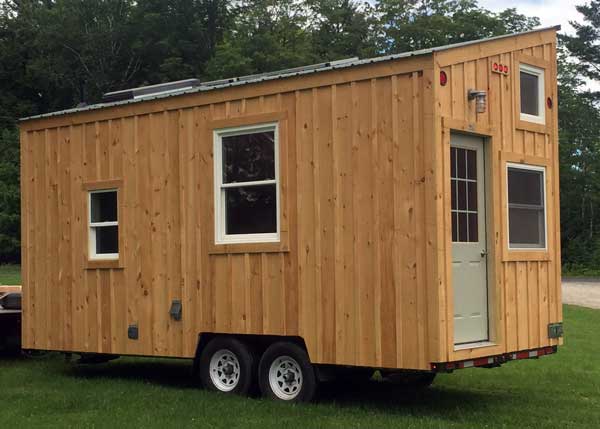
585,44
579,121
342,29
55,54
22,90
407,25
86,49
266,35
10,226
579,124
174,39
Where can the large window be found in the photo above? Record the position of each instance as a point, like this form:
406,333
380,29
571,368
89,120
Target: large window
103,224
532,94
526,207
246,185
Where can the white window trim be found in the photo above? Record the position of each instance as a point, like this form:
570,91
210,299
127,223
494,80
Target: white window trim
92,255
220,236
545,201
541,118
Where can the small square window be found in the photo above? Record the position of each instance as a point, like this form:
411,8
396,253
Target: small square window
246,185
103,224
526,207
532,94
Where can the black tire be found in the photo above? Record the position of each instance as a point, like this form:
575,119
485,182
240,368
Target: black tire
237,357
302,384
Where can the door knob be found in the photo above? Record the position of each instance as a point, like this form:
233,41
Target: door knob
484,253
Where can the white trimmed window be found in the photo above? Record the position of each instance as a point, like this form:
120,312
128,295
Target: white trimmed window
526,206
247,184
103,224
532,94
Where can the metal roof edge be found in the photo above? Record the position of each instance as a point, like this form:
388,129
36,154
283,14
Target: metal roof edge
283,74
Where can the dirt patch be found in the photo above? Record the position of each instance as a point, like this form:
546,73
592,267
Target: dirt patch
583,292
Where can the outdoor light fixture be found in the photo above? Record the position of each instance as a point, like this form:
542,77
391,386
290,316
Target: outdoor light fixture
480,99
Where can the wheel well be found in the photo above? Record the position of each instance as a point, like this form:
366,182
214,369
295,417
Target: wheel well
258,343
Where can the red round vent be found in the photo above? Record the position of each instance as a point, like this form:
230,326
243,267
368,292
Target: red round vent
443,78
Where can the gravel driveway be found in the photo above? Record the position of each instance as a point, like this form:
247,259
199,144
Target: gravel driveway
581,291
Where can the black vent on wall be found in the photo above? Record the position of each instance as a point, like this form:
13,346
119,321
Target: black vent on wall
132,332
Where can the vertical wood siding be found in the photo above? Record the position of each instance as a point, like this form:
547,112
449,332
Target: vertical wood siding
529,289
353,284
364,273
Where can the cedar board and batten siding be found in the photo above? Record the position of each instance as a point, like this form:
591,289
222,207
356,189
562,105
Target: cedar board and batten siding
362,272
350,278
524,286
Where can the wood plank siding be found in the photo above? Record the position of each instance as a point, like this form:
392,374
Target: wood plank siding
525,286
348,280
362,272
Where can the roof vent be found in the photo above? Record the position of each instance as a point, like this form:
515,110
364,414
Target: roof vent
151,90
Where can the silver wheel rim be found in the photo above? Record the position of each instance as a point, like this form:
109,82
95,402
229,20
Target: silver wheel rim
224,370
285,378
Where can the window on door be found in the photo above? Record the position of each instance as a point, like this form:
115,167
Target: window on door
526,207
246,185
463,183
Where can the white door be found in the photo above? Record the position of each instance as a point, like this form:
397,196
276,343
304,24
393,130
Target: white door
469,247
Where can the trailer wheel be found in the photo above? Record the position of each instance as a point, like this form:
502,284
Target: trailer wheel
285,373
227,365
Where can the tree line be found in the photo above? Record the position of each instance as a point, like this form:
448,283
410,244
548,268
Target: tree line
56,54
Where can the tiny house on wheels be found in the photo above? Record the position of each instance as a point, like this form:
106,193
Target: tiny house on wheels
398,213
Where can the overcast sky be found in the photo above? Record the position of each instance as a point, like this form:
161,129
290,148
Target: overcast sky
550,12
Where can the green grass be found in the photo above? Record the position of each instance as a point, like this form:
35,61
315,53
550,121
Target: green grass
10,274
561,391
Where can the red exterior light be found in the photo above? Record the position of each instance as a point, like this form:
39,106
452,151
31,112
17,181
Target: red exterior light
549,103
443,78
500,68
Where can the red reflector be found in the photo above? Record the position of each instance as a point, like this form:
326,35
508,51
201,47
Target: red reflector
505,69
495,66
482,361
549,103
443,78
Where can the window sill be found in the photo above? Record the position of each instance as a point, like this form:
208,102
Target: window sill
96,264
526,255
532,126
223,249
